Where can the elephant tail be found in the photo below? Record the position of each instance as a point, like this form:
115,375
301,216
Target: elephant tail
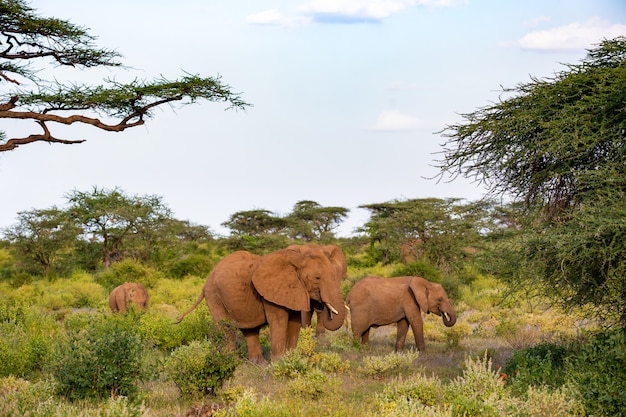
198,301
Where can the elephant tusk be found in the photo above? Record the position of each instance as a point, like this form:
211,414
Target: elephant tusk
331,308
446,316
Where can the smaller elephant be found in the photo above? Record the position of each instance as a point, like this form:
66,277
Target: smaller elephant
377,301
128,292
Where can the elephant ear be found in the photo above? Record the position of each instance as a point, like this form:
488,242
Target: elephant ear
338,259
419,287
276,279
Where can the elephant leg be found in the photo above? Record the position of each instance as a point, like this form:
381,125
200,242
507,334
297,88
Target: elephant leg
365,336
402,330
293,330
417,325
254,345
278,319
307,317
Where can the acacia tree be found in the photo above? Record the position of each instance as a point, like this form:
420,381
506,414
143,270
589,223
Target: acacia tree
117,222
429,229
310,221
42,239
559,145
26,39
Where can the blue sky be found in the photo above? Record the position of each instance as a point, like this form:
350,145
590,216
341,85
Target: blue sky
347,96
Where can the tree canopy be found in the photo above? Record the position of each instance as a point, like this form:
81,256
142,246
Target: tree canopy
27,39
559,146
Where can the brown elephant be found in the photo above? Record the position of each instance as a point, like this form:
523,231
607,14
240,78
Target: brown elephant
338,260
252,291
376,301
128,292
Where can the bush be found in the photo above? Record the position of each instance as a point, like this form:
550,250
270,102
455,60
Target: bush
418,269
26,340
201,367
420,389
479,391
597,371
379,367
543,364
102,360
195,264
164,333
292,364
127,270
312,385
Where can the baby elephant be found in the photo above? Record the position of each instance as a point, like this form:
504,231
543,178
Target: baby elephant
376,301
128,292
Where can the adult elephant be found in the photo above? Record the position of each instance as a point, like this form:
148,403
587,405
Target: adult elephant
252,291
376,301
129,292
338,260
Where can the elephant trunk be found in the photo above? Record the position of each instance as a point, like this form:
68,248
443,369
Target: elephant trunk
449,319
334,313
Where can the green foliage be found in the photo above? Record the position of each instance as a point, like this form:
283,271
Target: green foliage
479,391
542,364
292,364
194,264
418,269
164,333
7,265
597,371
312,385
127,270
428,230
306,359
24,398
419,388
27,339
453,335
201,367
379,367
61,43
101,360
558,145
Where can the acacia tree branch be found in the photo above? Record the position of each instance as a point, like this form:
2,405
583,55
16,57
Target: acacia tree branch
45,137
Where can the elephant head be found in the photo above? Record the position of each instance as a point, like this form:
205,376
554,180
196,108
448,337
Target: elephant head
296,277
432,298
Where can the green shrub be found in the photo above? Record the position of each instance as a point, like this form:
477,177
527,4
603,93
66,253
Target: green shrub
27,339
291,364
164,333
454,334
598,371
479,391
201,367
379,367
313,385
418,269
127,270
194,264
102,360
418,388
542,364
21,397
330,362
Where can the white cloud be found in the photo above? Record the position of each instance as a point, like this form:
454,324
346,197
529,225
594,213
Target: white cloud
273,17
353,10
573,36
396,121
343,11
